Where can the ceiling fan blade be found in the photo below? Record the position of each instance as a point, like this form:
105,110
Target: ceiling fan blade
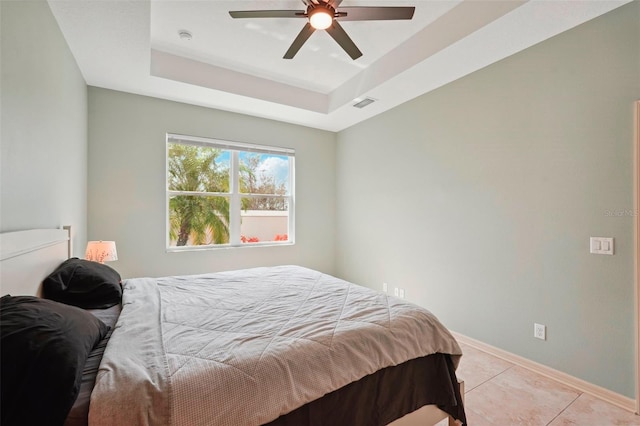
303,35
335,3
267,13
376,13
342,38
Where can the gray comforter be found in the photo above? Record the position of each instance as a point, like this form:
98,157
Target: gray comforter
244,347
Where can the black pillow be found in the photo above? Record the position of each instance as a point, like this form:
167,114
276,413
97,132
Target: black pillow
83,283
44,346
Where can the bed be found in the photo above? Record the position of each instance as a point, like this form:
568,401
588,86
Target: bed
282,345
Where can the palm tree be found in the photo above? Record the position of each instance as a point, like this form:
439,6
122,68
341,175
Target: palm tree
203,218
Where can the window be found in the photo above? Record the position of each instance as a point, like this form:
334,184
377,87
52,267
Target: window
228,194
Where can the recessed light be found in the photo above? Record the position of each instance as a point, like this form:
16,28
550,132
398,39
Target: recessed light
185,35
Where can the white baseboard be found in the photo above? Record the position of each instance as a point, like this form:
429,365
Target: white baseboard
564,378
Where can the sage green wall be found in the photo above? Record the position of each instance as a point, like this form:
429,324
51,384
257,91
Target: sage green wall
127,182
43,146
479,199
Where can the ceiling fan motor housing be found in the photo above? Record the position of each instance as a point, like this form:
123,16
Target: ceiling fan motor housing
321,16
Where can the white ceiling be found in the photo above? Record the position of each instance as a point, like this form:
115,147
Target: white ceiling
237,65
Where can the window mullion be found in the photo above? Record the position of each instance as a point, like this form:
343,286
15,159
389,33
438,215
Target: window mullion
280,197
234,201
197,193
291,199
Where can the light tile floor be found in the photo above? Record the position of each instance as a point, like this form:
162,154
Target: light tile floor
498,393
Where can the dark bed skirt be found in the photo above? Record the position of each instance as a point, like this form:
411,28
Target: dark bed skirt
385,396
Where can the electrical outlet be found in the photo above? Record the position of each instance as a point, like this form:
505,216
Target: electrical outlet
540,331
385,287
396,291
401,293
601,245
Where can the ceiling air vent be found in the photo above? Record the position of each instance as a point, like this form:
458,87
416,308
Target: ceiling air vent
363,103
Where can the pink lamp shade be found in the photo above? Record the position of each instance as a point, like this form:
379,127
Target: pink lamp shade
101,251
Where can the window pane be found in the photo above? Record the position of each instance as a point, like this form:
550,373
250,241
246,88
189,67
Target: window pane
264,173
198,168
265,220
198,220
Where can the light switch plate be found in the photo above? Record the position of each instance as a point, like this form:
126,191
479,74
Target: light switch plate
601,245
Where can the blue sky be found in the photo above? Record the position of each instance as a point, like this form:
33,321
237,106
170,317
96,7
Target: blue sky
272,165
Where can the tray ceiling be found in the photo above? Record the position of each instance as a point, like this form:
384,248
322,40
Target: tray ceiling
236,64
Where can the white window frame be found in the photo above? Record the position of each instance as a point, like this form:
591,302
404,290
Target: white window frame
234,187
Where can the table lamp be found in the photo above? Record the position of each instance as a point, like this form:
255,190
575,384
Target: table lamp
101,251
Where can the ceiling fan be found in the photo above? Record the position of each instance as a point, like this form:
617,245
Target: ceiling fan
324,15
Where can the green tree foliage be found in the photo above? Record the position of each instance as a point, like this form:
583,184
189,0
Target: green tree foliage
204,219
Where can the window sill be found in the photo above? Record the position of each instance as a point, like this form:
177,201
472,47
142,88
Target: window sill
227,246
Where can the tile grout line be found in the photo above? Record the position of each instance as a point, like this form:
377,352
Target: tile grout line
489,379
565,408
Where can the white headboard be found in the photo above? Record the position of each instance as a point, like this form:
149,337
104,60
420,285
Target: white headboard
27,257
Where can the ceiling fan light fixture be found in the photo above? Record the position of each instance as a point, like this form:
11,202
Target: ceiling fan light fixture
320,18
